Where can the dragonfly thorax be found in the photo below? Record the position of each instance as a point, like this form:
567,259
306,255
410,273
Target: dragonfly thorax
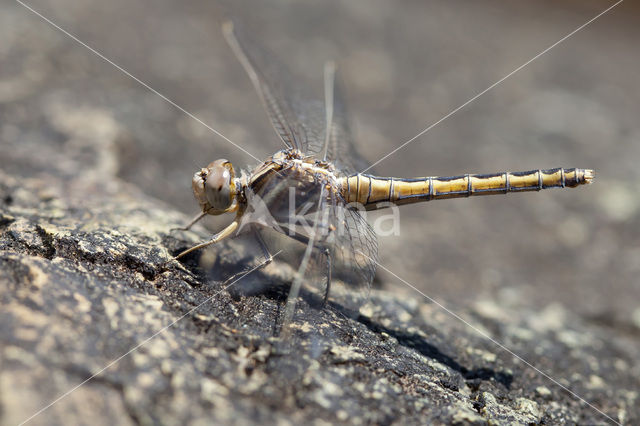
215,188
294,158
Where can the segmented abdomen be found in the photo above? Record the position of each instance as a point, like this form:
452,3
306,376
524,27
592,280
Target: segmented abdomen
370,191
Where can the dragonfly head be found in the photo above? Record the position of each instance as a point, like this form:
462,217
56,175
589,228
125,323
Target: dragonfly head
215,188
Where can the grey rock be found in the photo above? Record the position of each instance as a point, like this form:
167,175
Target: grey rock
98,323
89,286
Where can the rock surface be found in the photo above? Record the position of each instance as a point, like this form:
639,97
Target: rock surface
89,290
89,286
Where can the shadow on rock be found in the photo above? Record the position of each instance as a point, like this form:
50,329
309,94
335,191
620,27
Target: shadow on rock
418,343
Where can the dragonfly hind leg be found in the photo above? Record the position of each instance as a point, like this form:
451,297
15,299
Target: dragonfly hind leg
325,252
268,257
328,286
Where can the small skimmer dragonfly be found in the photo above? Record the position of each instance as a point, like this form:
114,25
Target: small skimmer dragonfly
315,179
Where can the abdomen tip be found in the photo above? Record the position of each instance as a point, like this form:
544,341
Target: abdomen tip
589,175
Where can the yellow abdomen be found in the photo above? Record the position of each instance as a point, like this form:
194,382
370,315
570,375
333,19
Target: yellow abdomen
370,191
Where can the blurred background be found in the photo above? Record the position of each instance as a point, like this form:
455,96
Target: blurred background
404,65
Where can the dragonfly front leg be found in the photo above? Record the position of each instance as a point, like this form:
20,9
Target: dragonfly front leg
215,239
191,223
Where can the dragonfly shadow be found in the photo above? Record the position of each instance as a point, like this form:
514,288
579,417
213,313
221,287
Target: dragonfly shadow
230,265
418,343
238,266
230,262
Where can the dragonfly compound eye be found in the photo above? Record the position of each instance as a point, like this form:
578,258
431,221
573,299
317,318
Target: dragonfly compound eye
214,187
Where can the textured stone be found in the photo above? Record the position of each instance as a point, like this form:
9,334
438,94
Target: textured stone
88,286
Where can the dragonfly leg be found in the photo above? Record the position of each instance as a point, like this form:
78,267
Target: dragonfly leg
268,258
215,239
325,251
265,250
328,287
190,224
238,275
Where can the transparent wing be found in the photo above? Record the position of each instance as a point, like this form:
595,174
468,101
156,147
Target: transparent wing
344,245
341,149
354,252
298,117
269,78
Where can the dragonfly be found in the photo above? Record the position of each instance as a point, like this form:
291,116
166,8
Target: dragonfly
312,190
